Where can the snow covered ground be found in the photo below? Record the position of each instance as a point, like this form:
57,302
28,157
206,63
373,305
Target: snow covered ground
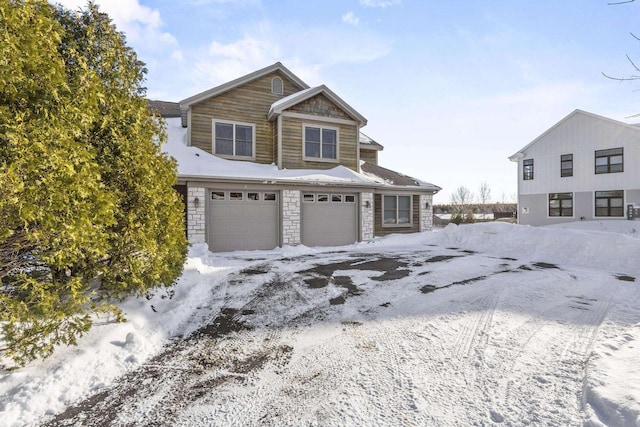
472,325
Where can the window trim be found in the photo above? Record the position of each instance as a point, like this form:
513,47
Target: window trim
560,207
527,175
320,159
599,154
595,207
566,158
234,123
396,224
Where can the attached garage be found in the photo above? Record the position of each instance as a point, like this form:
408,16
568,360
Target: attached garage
329,219
242,220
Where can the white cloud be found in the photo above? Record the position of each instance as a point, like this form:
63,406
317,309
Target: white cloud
380,3
350,18
141,24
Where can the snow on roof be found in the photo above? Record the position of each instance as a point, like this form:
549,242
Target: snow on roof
194,162
394,178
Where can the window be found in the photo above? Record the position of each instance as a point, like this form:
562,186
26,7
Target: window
277,86
396,210
320,143
527,169
253,196
235,196
610,203
609,161
217,195
349,198
323,198
336,198
566,165
309,198
269,197
233,139
561,204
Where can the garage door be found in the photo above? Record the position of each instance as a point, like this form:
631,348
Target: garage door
242,220
329,219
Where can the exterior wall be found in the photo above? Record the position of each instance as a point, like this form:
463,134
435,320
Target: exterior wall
291,217
292,143
369,156
379,230
537,205
248,104
196,218
426,214
366,217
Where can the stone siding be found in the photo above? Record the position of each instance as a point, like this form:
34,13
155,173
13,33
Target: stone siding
366,216
426,214
291,214
196,218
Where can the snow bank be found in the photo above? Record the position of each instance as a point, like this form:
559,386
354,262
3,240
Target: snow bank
610,251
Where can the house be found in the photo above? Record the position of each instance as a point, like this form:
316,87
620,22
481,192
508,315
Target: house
585,167
265,161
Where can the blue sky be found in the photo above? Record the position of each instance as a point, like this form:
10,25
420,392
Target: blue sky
451,89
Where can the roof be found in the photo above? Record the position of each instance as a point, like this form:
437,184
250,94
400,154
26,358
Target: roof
243,80
520,154
395,178
368,143
164,108
289,101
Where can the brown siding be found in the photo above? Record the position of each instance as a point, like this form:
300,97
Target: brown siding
369,156
377,213
292,145
249,103
320,105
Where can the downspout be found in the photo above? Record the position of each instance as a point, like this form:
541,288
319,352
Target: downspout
279,137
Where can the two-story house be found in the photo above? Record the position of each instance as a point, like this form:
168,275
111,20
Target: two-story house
585,167
265,161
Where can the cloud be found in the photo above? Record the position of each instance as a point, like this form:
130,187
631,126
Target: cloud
350,18
141,24
380,3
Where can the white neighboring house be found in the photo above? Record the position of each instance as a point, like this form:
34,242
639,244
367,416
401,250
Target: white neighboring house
585,167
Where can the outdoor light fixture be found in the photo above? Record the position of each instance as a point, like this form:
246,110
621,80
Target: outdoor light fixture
367,204
196,202
426,205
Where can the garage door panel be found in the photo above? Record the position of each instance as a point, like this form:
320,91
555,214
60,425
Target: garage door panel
329,220
244,224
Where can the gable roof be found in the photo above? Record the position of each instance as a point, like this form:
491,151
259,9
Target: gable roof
368,143
295,98
164,108
395,178
520,154
243,80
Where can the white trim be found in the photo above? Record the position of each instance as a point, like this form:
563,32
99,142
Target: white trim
317,118
624,205
358,150
397,225
189,127
320,159
279,142
234,123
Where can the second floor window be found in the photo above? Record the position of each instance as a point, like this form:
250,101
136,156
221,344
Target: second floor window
566,165
233,139
527,169
320,143
610,161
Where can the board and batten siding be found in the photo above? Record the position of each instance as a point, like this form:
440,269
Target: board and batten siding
292,142
379,230
581,135
248,103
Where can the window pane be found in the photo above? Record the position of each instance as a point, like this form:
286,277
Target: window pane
389,216
554,204
253,196
244,133
328,151
217,195
224,130
329,136
390,203
615,160
235,196
244,148
602,203
350,198
308,198
404,217
615,203
269,196
602,161
554,212
602,211
224,146
617,211
336,198
323,198
566,203
312,149
615,167
312,134
404,202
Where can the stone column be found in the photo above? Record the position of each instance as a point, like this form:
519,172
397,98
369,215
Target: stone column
426,213
291,217
366,217
196,214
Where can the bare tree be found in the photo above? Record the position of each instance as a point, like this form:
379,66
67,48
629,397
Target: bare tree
461,198
484,196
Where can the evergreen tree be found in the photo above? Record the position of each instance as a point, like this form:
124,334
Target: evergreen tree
88,212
